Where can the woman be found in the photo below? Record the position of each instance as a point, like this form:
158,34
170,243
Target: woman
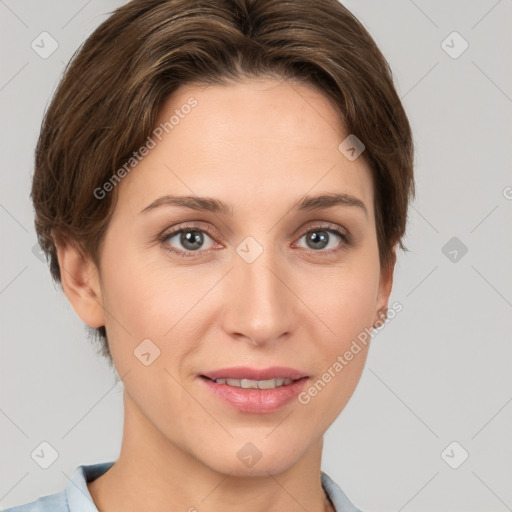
220,187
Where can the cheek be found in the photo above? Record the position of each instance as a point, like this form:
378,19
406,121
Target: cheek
344,299
341,351
148,298
345,303
138,305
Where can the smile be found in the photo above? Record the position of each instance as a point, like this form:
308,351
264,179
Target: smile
255,390
255,384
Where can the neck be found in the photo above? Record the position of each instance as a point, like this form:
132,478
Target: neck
154,474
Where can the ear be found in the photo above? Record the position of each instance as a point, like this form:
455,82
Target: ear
81,284
385,286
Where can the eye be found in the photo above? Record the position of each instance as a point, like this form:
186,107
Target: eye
321,237
188,239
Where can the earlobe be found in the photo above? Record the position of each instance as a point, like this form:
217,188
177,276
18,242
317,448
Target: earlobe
80,282
385,286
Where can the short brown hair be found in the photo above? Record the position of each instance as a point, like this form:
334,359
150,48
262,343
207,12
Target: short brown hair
108,101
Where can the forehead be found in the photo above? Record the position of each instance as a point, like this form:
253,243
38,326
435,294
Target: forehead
254,142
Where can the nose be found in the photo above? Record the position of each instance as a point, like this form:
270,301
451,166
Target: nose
259,302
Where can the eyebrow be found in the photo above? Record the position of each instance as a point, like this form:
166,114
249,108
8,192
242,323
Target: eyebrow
209,204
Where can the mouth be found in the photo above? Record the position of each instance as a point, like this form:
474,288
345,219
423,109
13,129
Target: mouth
254,384
253,390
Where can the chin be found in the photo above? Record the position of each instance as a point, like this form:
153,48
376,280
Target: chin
261,458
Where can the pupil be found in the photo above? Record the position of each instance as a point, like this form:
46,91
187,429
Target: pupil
315,238
192,239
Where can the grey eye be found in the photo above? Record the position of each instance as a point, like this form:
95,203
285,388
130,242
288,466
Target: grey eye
190,239
320,238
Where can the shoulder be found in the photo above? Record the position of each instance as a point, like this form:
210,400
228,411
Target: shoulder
54,502
74,498
338,498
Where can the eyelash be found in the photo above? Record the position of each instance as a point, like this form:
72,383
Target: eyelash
345,238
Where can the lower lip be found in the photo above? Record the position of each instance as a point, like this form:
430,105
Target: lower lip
256,401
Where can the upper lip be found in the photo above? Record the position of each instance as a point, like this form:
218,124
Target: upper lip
245,372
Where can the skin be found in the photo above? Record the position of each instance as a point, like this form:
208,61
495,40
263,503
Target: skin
259,146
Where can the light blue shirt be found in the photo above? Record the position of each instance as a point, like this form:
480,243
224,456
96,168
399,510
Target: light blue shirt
76,496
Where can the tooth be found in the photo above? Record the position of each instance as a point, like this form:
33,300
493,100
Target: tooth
249,384
266,384
255,384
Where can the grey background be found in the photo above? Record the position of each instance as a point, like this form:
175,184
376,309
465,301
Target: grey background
439,372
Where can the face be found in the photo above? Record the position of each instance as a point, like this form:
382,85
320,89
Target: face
258,288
